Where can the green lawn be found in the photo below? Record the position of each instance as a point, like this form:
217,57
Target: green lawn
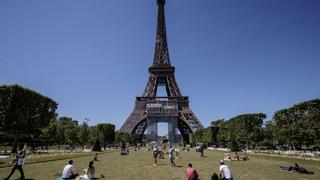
139,165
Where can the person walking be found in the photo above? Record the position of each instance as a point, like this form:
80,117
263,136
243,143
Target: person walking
201,150
155,152
171,156
225,171
177,151
20,160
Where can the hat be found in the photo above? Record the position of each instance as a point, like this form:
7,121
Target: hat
221,161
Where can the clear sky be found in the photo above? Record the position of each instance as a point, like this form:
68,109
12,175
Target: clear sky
231,56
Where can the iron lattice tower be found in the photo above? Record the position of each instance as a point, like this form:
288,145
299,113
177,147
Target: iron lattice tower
174,108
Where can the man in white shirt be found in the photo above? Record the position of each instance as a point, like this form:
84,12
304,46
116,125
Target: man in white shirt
68,171
225,171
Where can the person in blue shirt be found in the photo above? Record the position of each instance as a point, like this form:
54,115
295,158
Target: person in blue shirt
171,156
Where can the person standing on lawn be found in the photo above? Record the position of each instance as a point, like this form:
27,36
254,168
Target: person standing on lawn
20,160
171,156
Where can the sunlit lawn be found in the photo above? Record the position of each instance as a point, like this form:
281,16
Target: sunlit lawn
139,165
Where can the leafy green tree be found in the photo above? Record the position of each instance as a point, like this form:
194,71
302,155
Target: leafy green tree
216,125
234,146
96,145
93,135
197,137
24,111
84,134
67,131
245,129
106,133
269,140
48,134
252,124
208,138
298,125
121,137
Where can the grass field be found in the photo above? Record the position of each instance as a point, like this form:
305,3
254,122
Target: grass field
139,165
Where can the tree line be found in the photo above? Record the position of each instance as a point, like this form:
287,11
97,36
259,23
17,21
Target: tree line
290,128
66,131
28,116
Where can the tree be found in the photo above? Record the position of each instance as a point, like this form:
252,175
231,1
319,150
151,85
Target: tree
252,124
93,134
84,134
49,133
68,131
122,137
106,133
298,125
208,135
268,135
24,111
245,129
216,125
96,145
196,137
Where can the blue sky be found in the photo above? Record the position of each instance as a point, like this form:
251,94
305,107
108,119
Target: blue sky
231,56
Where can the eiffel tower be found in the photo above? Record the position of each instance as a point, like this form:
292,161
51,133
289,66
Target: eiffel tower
172,109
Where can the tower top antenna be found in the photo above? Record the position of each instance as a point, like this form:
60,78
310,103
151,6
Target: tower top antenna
161,2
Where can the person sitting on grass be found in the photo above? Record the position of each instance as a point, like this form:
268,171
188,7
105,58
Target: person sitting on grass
300,169
236,157
225,171
89,172
245,157
68,171
296,168
191,173
227,157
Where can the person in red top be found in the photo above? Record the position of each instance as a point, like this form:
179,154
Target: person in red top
191,173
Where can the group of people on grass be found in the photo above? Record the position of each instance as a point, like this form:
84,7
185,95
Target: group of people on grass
68,171
235,157
157,153
191,173
225,173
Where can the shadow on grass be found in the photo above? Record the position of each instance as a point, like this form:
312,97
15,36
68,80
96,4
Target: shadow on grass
178,166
